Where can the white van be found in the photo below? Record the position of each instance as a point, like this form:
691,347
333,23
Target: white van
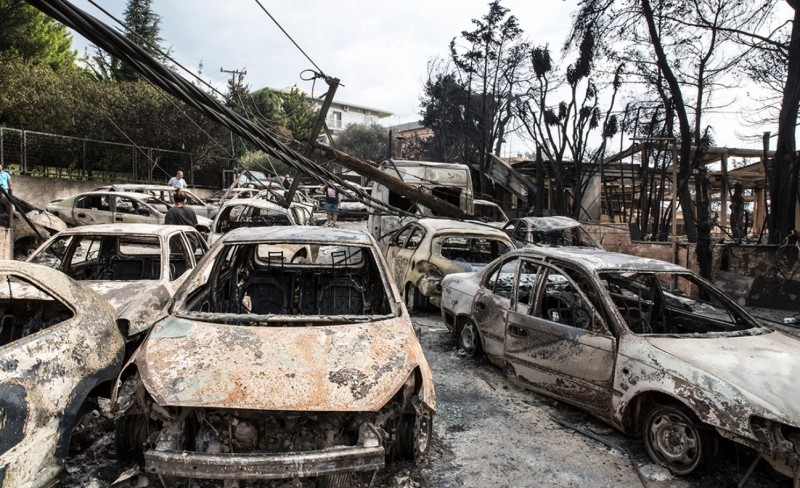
449,181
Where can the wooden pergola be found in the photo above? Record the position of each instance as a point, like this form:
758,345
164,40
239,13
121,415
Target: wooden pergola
624,175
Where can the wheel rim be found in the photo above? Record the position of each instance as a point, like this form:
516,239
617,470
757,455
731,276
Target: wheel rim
674,441
422,434
469,337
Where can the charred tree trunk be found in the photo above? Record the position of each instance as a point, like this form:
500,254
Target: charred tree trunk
689,224
785,167
704,255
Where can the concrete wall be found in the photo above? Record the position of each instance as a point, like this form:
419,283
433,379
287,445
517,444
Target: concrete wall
754,275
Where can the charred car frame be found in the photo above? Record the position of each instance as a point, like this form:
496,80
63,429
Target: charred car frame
286,354
645,345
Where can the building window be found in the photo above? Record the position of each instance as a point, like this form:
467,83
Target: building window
335,120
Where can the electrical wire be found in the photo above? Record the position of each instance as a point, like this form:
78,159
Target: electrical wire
128,51
288,36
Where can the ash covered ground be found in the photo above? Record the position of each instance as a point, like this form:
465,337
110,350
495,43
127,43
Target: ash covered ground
487,433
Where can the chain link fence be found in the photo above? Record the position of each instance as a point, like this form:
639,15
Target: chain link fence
54,156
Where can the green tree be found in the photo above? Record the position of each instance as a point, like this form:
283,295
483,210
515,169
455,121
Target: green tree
369,142
143,28
28,34
291,110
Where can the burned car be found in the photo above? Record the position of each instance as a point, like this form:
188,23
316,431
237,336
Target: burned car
423,252
271,367
253,212
136,267
548,231
647,346
59,349
30,226
490,212
165,194
108,207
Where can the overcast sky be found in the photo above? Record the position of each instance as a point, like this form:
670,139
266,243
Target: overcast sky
379,50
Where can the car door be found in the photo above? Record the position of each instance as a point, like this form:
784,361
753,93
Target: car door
92,209
560,342
491,305
396,244
412,252
133,211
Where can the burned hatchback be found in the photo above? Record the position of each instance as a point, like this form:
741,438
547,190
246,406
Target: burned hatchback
287,354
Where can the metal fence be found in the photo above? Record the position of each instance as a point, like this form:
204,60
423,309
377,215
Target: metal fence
56,156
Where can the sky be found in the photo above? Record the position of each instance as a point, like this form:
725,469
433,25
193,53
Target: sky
379,50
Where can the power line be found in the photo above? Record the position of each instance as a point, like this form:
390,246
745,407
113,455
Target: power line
290,37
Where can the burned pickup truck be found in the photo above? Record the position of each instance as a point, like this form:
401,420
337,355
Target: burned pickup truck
286,354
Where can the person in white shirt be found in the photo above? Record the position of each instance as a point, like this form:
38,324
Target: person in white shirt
177,181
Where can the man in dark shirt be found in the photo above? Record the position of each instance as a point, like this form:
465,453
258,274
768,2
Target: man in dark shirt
180,214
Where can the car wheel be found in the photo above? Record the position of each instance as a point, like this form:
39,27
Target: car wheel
415,434
414,299
469,340
130,435
675,440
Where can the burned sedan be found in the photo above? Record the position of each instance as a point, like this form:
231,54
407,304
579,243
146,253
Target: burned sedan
548,231
645,345
136,267
271,367
253,212
422,252
59,349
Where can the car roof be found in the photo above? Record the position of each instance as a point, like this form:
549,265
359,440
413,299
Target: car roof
154,229
446,225
597,259
479,201
254,202
298,234
129,194
547,224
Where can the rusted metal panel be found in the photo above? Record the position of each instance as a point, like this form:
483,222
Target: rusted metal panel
346,367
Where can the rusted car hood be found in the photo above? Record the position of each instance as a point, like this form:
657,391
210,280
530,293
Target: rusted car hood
350,367
763,367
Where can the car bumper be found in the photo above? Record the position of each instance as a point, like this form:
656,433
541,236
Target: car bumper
262,466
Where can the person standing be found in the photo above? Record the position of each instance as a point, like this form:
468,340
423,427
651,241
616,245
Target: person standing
5,180
177,181
180,214
287,183
332,199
